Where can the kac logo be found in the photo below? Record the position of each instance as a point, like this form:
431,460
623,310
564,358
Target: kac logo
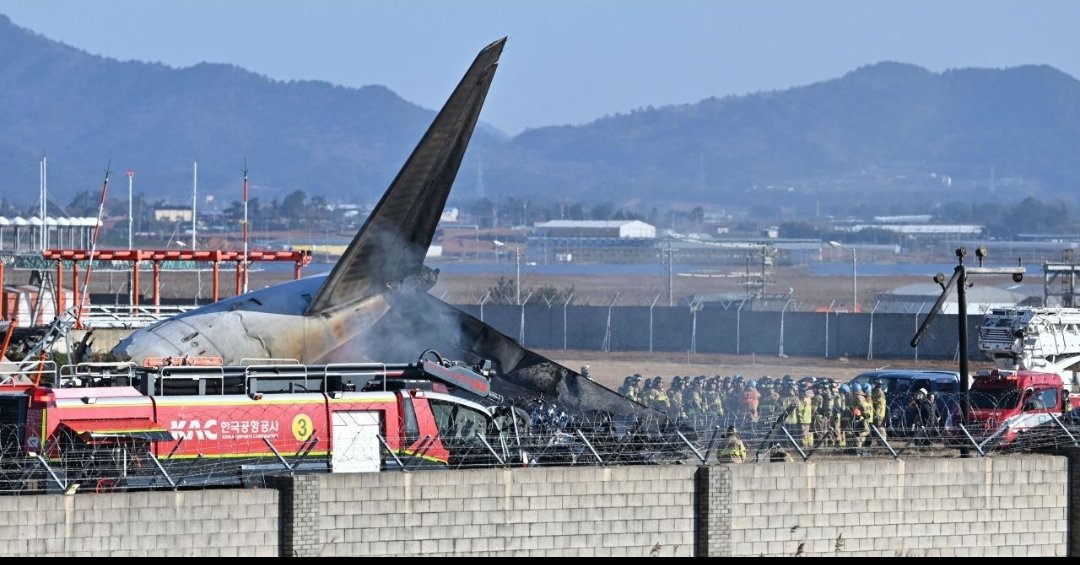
194,429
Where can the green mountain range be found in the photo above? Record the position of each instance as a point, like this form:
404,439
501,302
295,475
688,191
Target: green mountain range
889,132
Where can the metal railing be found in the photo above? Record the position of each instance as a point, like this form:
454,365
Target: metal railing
127,316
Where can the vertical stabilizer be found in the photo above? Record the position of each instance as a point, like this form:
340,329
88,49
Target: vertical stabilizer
391,245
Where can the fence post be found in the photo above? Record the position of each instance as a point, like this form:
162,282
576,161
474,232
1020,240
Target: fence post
521,335
482,301
870,343
786,304
651,306
606,345
921,304
1072,515
833,303
738,327
298,521
694,309
565,304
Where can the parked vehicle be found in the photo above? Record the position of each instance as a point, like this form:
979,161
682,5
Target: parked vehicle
1006,405
900,386
138,426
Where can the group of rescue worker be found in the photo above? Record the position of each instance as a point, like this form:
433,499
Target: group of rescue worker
815,411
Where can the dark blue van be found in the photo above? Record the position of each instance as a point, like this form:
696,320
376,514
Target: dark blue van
900,386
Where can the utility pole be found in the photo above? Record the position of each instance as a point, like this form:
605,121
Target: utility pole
131,217
194,201
959,279
854,273
44,202
670,276
517,277
246,263
855,282
517,267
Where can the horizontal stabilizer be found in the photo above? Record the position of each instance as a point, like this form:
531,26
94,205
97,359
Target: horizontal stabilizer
419,320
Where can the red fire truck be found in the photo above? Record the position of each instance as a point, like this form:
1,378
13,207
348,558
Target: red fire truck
1008,404
114,425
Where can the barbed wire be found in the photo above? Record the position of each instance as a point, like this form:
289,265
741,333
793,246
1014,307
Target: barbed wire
247,449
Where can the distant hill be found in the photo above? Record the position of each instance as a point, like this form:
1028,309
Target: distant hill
889,130
83,110
1012,127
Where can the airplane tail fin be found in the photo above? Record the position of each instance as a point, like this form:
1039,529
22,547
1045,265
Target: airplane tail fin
391,245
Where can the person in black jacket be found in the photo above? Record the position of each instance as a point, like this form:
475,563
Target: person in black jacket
925,413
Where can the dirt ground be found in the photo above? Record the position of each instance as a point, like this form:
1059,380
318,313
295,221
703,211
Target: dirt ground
610,368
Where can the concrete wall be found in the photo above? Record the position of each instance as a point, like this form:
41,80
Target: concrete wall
884,336
1001,506
584,511
210,523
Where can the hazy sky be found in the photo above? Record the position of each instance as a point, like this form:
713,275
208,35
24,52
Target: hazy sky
566,62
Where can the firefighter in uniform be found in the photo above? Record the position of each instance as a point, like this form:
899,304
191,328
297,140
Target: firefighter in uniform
734,450
714,400
804,414
770,400
877,397
634,391
822,407
836,414
654,397
675,399
863,414
753,403
788,404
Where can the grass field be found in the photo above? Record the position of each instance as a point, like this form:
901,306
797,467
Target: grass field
810,292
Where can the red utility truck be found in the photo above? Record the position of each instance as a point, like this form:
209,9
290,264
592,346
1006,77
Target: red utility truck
1009,404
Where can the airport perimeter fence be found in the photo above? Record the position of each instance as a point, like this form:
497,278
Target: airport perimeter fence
247,451
729,330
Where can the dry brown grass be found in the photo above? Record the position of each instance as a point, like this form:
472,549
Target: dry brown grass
810,291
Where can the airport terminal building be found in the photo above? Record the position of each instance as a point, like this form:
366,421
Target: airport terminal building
575,240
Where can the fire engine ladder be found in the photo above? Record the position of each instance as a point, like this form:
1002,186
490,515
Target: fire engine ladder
1058,346
60,328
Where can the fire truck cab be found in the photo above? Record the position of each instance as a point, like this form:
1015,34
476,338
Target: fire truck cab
1011,403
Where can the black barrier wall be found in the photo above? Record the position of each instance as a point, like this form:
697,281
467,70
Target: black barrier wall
807,334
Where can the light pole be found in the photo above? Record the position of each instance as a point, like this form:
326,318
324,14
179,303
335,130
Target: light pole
517,268
854,274
959,280
131,217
